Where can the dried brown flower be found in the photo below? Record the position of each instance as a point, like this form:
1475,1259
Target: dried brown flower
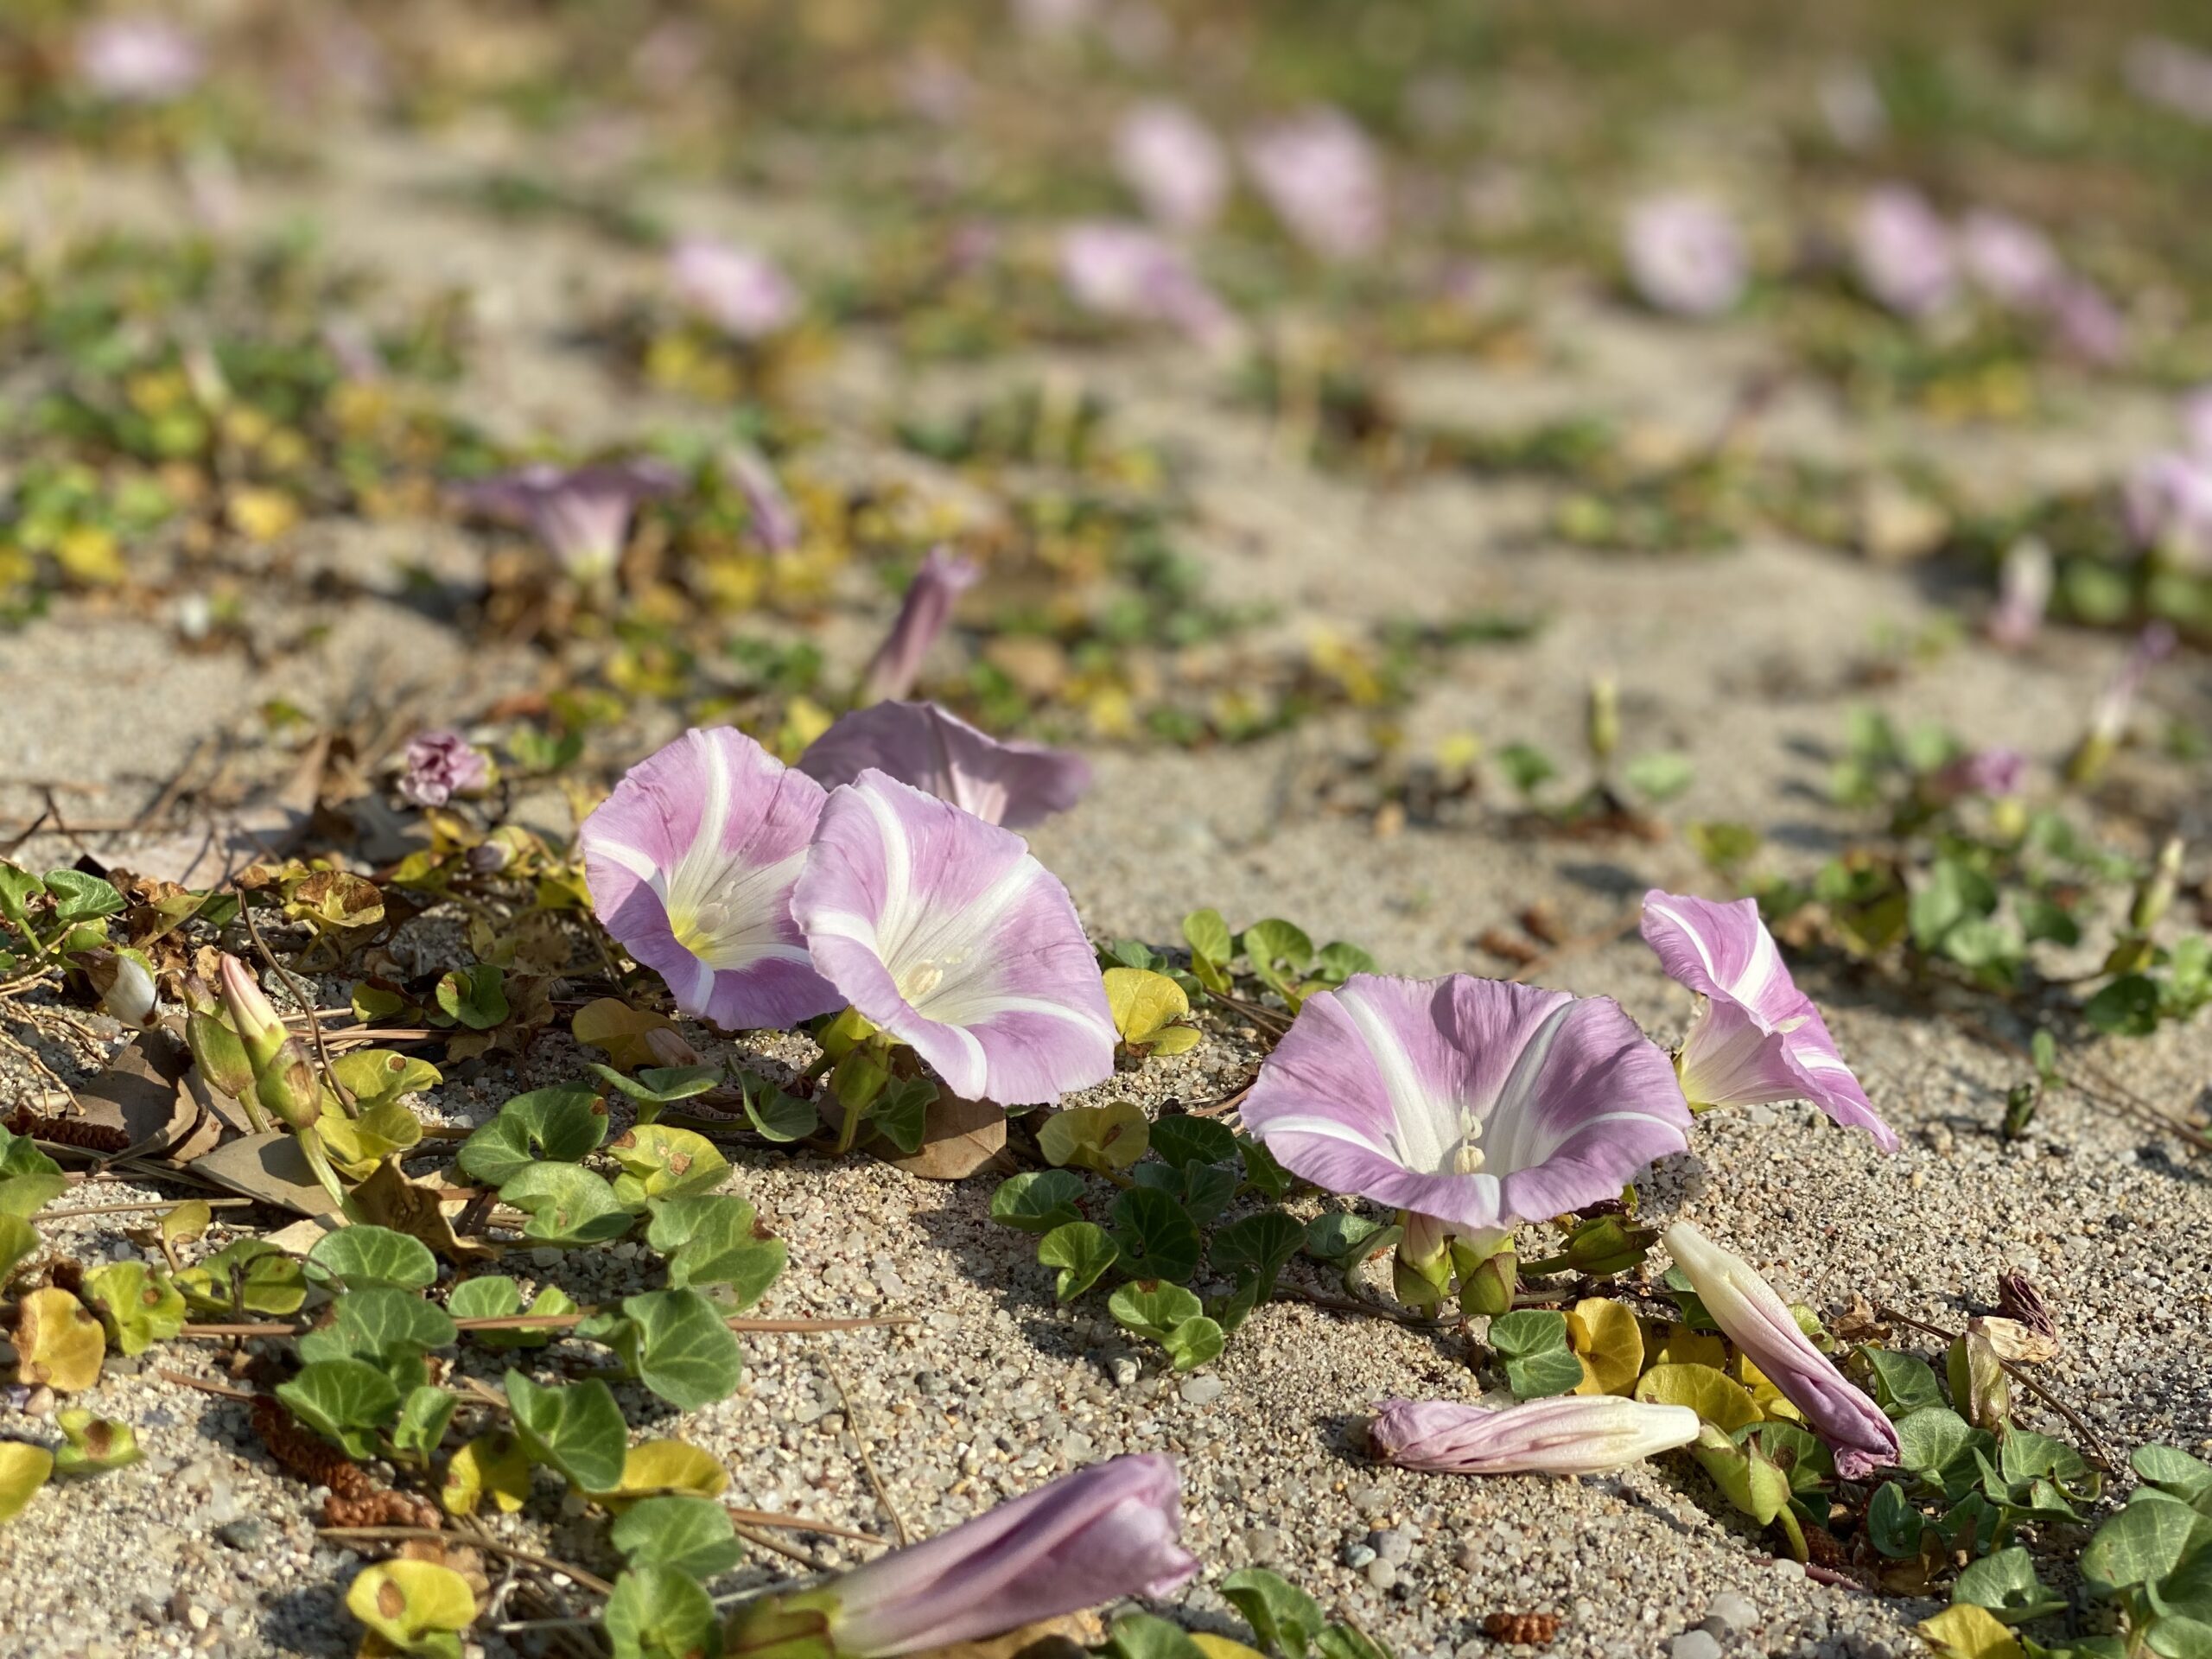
1526,1630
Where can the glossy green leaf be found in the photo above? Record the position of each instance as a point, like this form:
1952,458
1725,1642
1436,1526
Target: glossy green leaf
577,1430
2005,1584
342,1400
139,1305
691,1535
1533,1347
371,1258
1082,1251
1156,1238
656,1612
561,1125
567,1204
1038,1200
1283,1617
717,1241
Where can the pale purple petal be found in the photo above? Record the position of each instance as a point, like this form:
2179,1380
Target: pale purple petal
1173,162
775,521
691,862
1008,783
1130,272
744,294
923,615
943,931
2024,582
1994,772
2197,422
2087,323
1755,1039
2010,260
580,514
1572,1434
1760,1323
1090,1537
138,59
1321,174
441,764
2168,503
1904,252
1481,1103
1684,255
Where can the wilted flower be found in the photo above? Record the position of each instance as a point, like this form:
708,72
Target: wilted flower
2172,74
138,59
1093,1536
943,931
2010,260
1323,178
124,981
922,617
2168,503
1571,1435
1477,1102
440,765
1684,255
1903,253
691,862
582,515
1760,1323
744,294
1128,272
1981,772
2025,582
1173,161
1010,783
775,521
1757,1037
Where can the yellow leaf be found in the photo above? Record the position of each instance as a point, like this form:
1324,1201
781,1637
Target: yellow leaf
491,1465
1605,1337
1176,1039
260,514
60,1342
1103,1138
1764,1394
1712,1395
1220,1646
23,1470
613,1024
1677,1344
656,1468
405,1601
1142,1002
1966,1631
186,1221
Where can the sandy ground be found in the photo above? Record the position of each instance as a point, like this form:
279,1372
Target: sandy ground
1745,662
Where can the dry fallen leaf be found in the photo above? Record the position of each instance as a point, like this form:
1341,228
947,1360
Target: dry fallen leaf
960,1137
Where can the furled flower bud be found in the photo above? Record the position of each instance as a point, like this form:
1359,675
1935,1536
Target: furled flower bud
2025,582
2155,893
1487,1279
282,1080
922,616
124,981
215,1047
1760,1323
1087,1538
1570,1434
1980,1391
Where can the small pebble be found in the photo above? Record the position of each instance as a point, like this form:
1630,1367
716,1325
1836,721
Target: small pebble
247,1534
1381,1574
1734,1614
1694,1644
1125,1371
1201,1390
1395,1546
1358,1555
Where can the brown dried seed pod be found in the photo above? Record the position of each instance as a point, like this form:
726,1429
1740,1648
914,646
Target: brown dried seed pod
380,1507
2018,1299
67,1131
302,1453
1825,1549
1526,1630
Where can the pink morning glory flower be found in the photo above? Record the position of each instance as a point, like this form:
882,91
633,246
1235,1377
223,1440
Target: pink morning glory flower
943,931
1173,161
440,765
1760,1323
1903,253
691,862
2010,260
1684,255
775,522
1994,772
923,614
1130,272
1089,1537
138,59
1001,782
580,514
744,294
1474,1102
1573,1434
2168,503
1757,1037
2025,582
1323,178
2087,323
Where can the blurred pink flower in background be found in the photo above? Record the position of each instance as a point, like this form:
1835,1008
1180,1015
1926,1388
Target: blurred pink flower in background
139,59
744,294
1126,270
1902,251
441,764
2174,76
2087,323
2168,503
2009,259
2197,422
1324,179
1050,19
1684,255
1173,161
2025,582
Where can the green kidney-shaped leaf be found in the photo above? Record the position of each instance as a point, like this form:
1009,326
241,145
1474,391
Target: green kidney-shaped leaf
475,995
139,1305
266,1280
81,898
1538,1356
691,1535
1197,1341
567,1204
660,1163
424,1415
1261,1245
1151,1308
1157,1238
1038,1200
662,1085
682,1350
2005,1583
2187,1478
1893,1526
560,1124
776,1115
1081,1250
576,1431
1283,1617
341,1400
495,1296
372,1258
2146,1541
656,1612
716,1241
1902,1384
1184,1140
378,1325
